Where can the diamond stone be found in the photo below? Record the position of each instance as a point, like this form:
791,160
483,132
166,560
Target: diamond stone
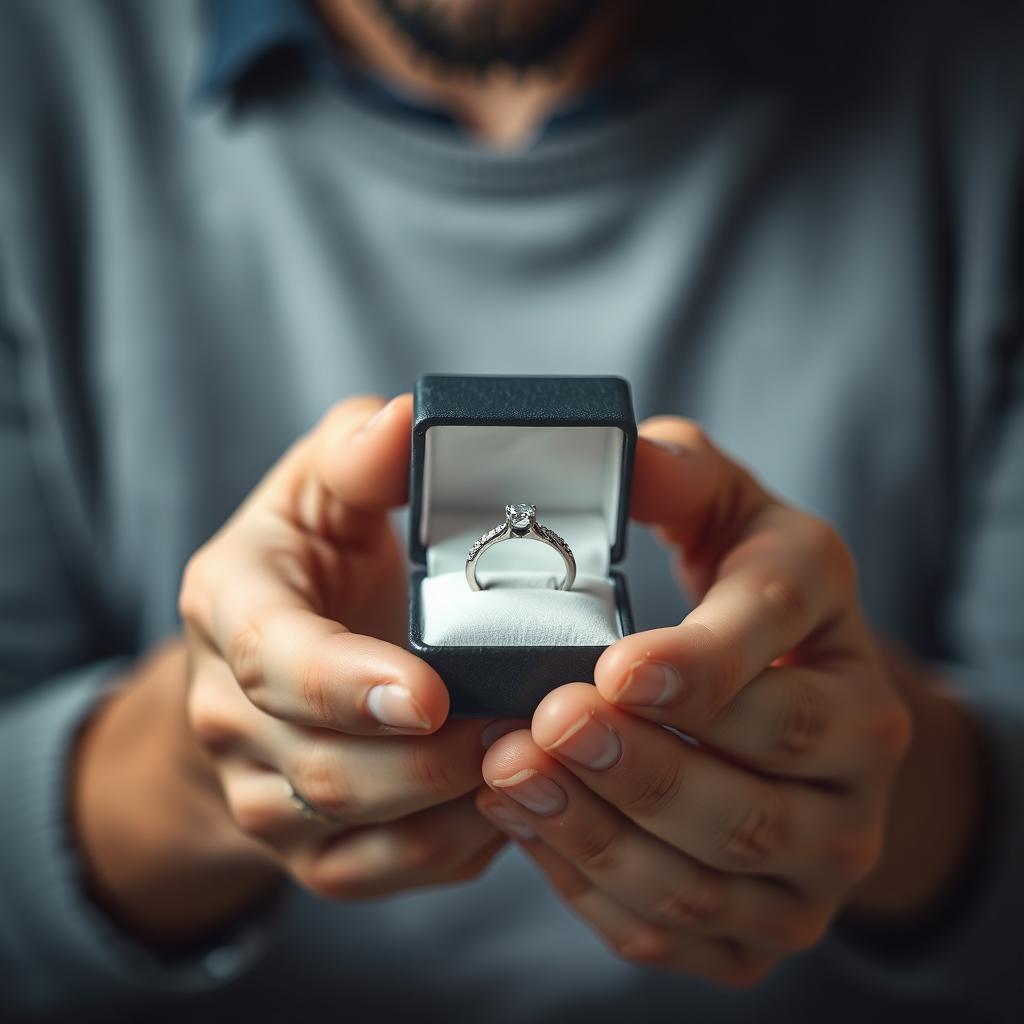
520,516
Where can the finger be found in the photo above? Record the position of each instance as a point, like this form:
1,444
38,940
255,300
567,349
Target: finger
362,780
633,938
295,664
220,716
354,779
254,599
775,590
309,670
803,723
768,577
644,874
727,818
449,843
261,806
684,485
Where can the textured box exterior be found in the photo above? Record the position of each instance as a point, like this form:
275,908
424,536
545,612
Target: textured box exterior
507,681
511,681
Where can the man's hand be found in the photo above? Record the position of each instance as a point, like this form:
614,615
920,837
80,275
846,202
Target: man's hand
721,853
291,674
293,612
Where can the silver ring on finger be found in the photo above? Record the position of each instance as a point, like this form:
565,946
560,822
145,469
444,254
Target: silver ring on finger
306,809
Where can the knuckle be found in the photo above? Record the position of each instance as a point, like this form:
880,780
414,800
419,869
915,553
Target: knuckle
208,722
254,819
315,685
802,722
691,434
328,881
472,868
890,732
786,596
435,772
691,904
798,926
688,434
645,944
422,852
575,890
657,791
830,550
594,848
334,797
244,654
853,855
756,836
324,785
744,970
794,933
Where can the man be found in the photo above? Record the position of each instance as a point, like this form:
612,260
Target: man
800,230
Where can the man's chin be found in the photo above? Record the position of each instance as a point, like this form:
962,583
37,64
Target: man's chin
478,35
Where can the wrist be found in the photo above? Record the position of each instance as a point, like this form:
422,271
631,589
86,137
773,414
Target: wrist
935,808
162,855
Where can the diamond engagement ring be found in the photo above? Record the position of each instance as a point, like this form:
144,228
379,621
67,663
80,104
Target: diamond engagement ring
521,524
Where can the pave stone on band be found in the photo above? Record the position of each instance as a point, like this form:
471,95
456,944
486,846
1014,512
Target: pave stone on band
521,524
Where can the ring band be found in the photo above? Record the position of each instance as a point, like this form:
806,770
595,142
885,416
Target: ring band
305,808
521,524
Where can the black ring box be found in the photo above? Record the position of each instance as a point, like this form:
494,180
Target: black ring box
493,680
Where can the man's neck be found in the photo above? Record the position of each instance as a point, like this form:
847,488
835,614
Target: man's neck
503,108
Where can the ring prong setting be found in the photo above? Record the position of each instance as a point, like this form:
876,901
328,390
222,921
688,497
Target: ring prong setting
520,517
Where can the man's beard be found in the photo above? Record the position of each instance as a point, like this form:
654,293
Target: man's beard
476,35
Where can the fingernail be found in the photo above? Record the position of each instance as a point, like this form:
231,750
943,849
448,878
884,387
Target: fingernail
394,705
666,446
536,793
650,684
508,821
589,742
493,731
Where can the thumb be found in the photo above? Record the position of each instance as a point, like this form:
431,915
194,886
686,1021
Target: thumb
354,462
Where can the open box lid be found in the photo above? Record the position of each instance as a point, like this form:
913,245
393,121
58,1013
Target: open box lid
565,444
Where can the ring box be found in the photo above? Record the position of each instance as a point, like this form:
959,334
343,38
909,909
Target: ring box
564,444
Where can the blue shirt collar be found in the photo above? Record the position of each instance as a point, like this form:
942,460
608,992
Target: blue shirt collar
241,32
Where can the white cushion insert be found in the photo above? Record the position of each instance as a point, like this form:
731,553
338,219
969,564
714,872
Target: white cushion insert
573,475
518,609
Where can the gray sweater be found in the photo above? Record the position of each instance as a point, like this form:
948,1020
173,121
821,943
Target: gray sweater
820,259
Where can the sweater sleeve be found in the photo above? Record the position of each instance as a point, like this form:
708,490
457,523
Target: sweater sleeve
970,949
60,653
967,950
57,949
